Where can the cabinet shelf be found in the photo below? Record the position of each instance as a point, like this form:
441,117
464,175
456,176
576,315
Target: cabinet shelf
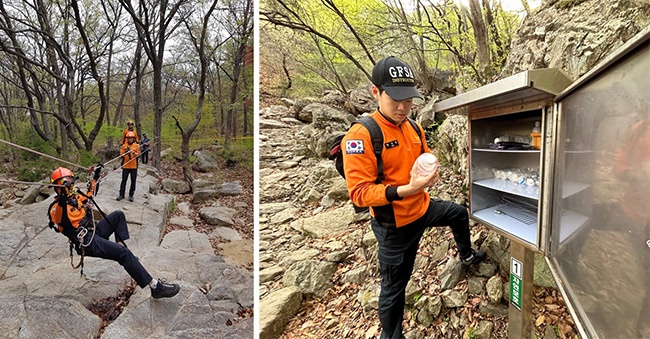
570,221
507,186
508,224
569,188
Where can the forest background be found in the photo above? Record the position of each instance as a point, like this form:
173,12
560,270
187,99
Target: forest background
312,46
73,72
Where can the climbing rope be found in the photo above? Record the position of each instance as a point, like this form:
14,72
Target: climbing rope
41,154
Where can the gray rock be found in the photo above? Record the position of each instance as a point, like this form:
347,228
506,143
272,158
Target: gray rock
361,100
355,275
542,275
328,224
496,310
32,317
451,274
270,273
483,330
337,256
231,188
220,216
574,39
30,195
475,285
287,214
204,194
494,288
368,297
453,299
486,269
176,186
429,309
272,208
182,221
276,111
311,276
204,162
271,124
226,233
299,255
277,309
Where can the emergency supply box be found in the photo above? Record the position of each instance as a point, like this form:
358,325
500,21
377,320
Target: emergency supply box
563,169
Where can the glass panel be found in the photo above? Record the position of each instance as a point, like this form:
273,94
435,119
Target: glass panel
602,243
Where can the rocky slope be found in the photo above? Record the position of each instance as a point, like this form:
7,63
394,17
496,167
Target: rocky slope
43,294
318,260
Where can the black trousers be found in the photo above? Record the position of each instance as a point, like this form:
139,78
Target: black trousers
397,250
145,156
101,247
133,173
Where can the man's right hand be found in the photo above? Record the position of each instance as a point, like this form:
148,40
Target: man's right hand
418,182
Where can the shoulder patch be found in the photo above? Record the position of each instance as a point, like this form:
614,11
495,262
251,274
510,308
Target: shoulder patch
354,147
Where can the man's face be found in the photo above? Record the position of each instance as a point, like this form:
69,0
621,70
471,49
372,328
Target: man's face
130,140
130,125
395,110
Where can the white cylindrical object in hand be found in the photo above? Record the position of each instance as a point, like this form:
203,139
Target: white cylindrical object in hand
425,164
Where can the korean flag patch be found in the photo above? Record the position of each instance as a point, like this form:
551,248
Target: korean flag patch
354,147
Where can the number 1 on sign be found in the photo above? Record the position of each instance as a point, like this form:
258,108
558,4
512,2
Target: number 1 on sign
516,267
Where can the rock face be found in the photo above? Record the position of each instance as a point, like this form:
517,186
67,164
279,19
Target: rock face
575,38
42,296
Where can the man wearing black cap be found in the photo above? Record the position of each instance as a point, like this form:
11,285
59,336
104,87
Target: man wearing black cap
401,209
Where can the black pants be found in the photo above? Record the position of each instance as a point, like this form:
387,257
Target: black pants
145,156
101,247
133,173
397,250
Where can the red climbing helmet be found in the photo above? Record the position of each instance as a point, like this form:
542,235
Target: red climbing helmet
61,173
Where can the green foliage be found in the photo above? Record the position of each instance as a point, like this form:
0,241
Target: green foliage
417,297
173,204
35,170
240,153
470,333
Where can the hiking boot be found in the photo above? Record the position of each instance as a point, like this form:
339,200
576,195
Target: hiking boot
164,290
476,257
131,198
120,198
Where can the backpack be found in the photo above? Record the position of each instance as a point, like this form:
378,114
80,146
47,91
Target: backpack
377,141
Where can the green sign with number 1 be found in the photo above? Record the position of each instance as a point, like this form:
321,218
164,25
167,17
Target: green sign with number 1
516,269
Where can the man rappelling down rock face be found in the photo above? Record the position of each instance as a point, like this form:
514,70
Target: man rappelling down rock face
70,214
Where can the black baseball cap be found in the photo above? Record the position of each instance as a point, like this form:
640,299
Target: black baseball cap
396,78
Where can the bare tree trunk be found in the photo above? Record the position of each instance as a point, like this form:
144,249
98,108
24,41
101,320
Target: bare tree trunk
481,38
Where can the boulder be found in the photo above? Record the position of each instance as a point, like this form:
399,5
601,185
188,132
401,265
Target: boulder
277,309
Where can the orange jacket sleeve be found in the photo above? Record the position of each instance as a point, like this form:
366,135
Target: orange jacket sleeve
360,167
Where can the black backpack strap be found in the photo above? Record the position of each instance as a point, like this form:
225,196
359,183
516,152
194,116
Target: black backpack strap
377,138
417,129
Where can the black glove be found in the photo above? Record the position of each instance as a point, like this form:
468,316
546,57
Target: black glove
98,171
68,186
53,226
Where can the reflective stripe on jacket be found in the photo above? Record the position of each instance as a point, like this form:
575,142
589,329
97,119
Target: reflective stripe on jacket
401,148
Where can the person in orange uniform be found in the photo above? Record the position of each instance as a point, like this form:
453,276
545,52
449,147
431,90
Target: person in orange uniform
401,210
70,215
129,153
129,128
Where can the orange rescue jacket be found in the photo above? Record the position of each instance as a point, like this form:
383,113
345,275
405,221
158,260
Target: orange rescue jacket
123,139
68,213
130,155
402,146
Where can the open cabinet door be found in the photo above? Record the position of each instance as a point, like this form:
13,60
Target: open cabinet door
600,237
